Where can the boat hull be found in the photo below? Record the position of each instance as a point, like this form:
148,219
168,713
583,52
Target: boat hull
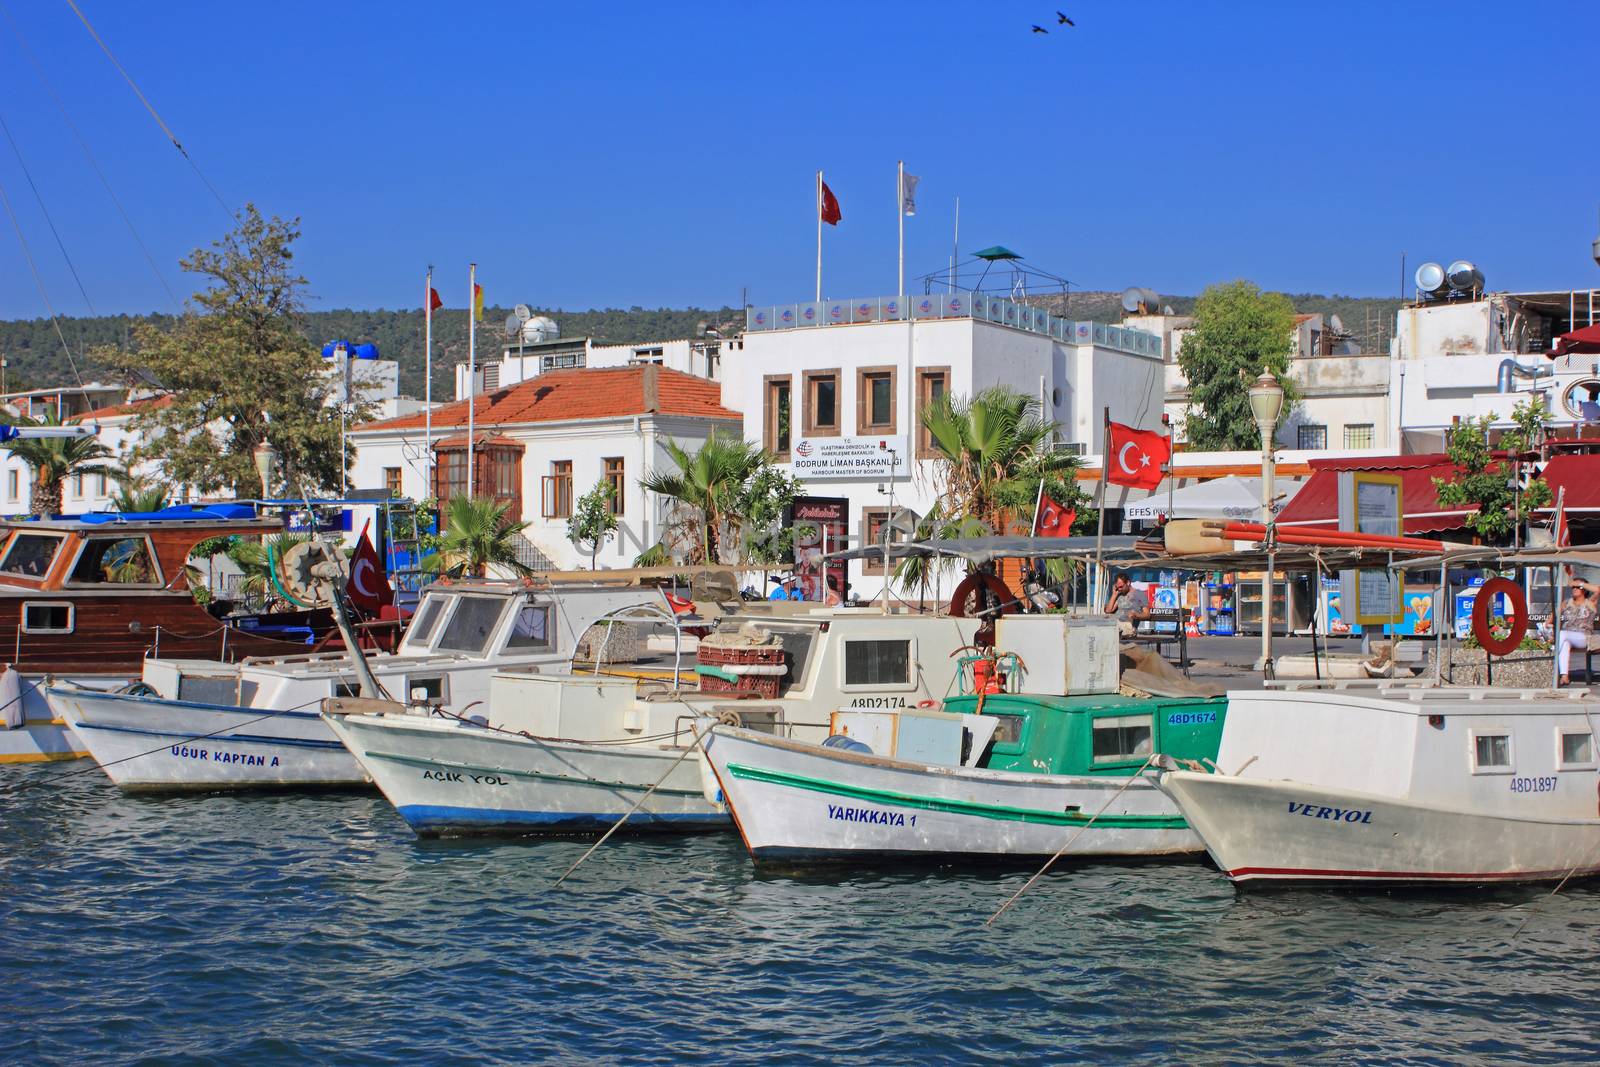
449,779
1264,831
154,745
800,802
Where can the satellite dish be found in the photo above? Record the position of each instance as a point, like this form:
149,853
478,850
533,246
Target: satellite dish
522,312
513,325
1140,301
1336,323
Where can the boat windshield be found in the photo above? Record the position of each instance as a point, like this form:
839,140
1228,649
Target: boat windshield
30,554
472,623
531,628
427,618
115,560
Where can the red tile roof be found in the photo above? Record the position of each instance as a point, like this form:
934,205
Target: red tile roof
132,407
581,393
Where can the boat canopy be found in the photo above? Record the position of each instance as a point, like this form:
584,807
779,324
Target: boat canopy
988,549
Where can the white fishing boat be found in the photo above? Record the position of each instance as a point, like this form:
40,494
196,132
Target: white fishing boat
1400,785
195,725
1003,775
576,753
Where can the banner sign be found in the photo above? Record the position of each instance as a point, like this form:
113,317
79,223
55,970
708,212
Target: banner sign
821,524
849,457
1374,504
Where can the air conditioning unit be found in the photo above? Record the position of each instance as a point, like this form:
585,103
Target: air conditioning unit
1060,444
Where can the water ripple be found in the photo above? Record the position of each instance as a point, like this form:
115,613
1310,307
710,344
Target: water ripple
284,929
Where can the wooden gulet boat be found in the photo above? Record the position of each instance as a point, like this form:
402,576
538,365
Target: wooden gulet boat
88,598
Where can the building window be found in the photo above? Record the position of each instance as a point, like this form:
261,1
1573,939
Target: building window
648,355
391,480
822,403
875,400
100,484
561,362
1313,437
497,471
1359,436
558,490
933,385
11,485
77,485
777,412
872,523
617,482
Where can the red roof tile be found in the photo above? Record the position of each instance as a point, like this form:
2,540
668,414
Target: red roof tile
581,393
133,407
1317,502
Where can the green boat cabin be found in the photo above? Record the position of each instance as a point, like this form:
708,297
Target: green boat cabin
1104,734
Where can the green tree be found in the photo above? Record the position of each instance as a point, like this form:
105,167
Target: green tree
53,459
712,491
136,492
478,532
1484,478
256,559
763,507
991,453
593,521
239,371
1239,332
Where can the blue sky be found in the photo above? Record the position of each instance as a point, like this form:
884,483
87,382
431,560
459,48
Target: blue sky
660,154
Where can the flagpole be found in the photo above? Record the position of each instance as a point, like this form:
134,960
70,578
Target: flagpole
427,385
1037,500
1172,478
472,372
900,213
1100,508
955,246
819,236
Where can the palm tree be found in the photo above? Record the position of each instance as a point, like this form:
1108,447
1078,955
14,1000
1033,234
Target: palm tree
52,460
477,533
991,453
136,492
255,559
707,486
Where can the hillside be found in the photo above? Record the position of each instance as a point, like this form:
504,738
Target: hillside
34,355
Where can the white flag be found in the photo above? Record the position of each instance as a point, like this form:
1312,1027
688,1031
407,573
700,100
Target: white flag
908,193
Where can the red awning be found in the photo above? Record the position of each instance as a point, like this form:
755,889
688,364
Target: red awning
1584,342
1579,475
1317,502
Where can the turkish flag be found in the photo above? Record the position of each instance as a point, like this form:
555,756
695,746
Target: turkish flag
1135,457
368,588
830,206
434,303
1053,520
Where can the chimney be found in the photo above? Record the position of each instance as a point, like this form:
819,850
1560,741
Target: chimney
652,388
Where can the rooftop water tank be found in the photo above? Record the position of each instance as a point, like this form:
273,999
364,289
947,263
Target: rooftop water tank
1431,279
540,328
1465,277
1140,301
368,351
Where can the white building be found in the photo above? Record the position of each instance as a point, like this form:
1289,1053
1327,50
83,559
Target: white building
535,353
543,442
832,388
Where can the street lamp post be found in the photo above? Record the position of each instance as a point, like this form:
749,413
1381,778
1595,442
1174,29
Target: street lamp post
266,458
1266,404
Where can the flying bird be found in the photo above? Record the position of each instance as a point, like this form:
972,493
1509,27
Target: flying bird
1062,20
1040,29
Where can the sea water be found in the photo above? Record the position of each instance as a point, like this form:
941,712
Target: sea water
286,929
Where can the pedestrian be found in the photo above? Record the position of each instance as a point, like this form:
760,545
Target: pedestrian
1577,623
1124,604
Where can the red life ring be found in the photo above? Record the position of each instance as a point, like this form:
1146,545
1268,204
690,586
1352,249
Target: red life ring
993,583
1500,646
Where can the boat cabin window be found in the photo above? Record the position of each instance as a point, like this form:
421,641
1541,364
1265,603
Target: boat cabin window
30,554
1009,728
1577,750
472,623
1491,753
530,630
1121,737
346,687
115,561
46,617
881,662
427,618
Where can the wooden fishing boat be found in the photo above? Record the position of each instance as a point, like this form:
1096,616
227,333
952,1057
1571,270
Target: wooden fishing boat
90,597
